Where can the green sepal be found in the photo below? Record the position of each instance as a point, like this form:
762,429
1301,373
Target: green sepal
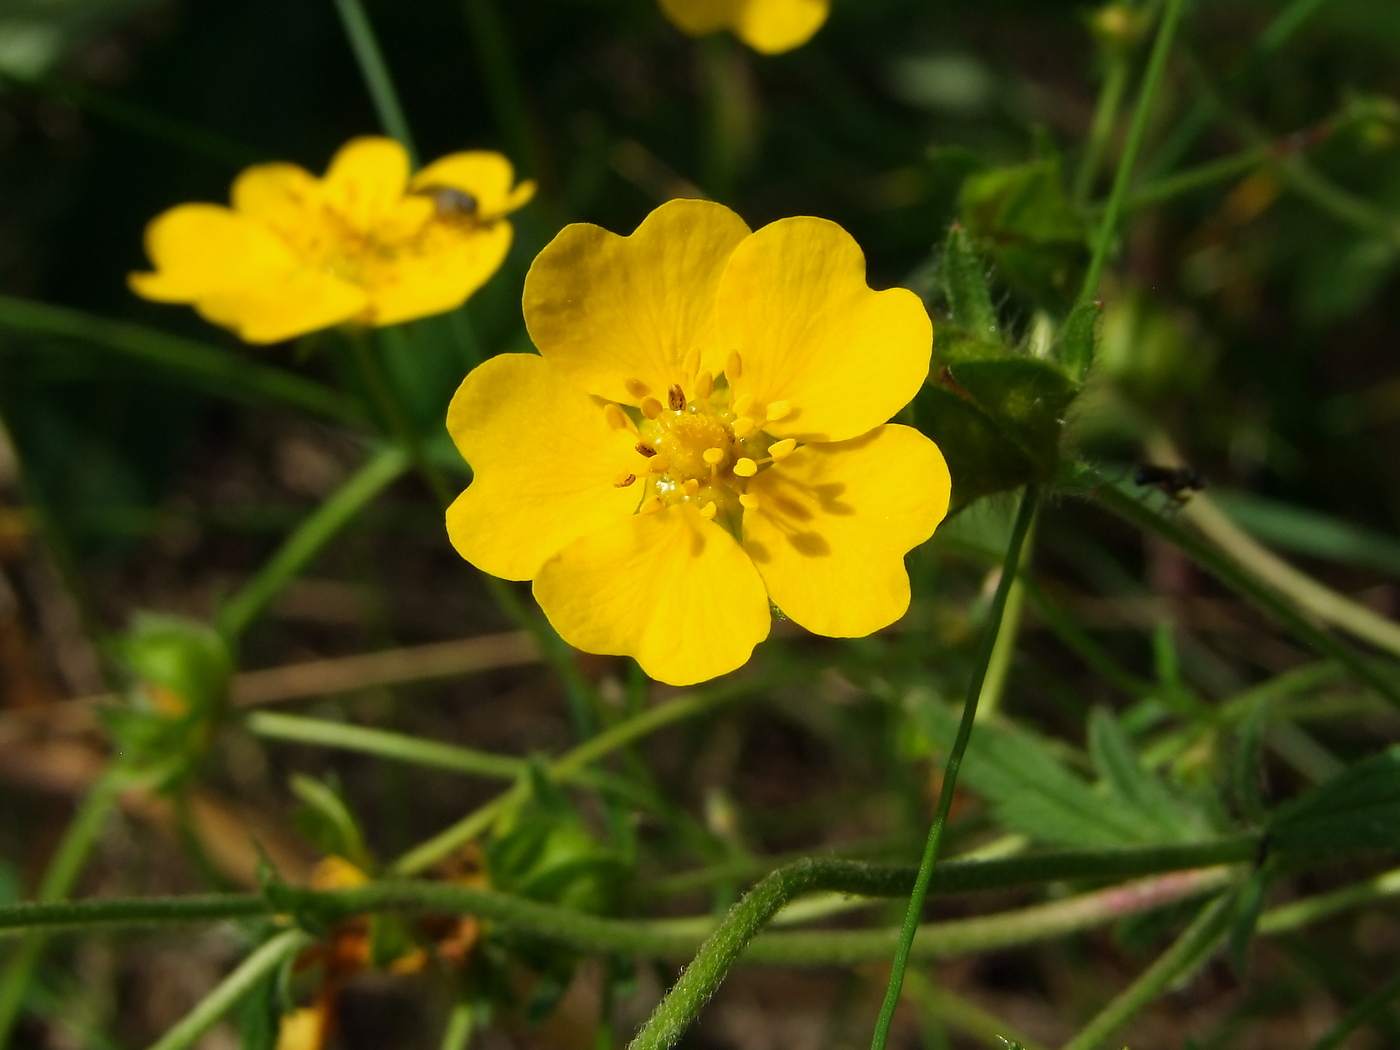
1079,337
965,287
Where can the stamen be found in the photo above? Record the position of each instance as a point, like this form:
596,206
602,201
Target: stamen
704,385
743,427
690,486
734,365
659,465
623,480
617,419
651,506
778,409
651,408
713,456
782,449
709,510
745,467
748,501
676,397
742,404
637,388
645,449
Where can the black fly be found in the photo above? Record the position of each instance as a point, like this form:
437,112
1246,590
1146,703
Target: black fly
1176,483
450,202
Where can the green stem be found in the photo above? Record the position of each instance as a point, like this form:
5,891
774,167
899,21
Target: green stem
376,73
503,91
1303,912
234,987
1105,117
965,1015
211,369
612,738
1359,1014
950,771
1195,178
950,877
63,871
457,1033
1188,952
1243,582
1108,224
310,536
999,667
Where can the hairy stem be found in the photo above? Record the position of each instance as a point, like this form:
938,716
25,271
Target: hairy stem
1024,515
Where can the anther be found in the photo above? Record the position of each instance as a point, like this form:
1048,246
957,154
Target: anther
645,449
782,449
637,388
623,480
651,408
651,506
742,404
676,397
745,467
704,385
743,427
709,510
713,455
734,365
778,409
748,501
690,486
616,418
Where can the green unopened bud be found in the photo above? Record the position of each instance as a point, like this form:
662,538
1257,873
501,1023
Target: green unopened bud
1118,26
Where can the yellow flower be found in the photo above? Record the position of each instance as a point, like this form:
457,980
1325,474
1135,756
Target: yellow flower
769,26
704,431
367,243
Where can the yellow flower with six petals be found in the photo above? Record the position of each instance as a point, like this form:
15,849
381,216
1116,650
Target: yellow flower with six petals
704,430
367,243
769,26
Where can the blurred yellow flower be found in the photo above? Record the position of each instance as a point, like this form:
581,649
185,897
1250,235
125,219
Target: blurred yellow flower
704,431
769,26
366,243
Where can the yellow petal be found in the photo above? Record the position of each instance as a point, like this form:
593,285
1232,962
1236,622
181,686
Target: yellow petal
545,462
199,249
811,333
772,26
488,177
834,521
304,300
448,267
699,17
606,309
283,197
673,590
366,180
302,1029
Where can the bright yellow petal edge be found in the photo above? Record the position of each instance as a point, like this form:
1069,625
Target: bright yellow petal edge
367,243
768,26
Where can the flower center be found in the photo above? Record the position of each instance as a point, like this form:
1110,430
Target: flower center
701,446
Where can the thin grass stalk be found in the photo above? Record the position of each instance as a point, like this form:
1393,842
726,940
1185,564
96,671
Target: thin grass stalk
1012,562
370,58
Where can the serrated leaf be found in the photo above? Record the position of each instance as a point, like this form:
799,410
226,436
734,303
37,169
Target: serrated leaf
1031,791
1137,789
1355,812
965,286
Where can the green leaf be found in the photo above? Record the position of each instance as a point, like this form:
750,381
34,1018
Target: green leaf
1355,812
1168,818
980,457
965,285
1079,337
1027,399
1030,791
328,822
